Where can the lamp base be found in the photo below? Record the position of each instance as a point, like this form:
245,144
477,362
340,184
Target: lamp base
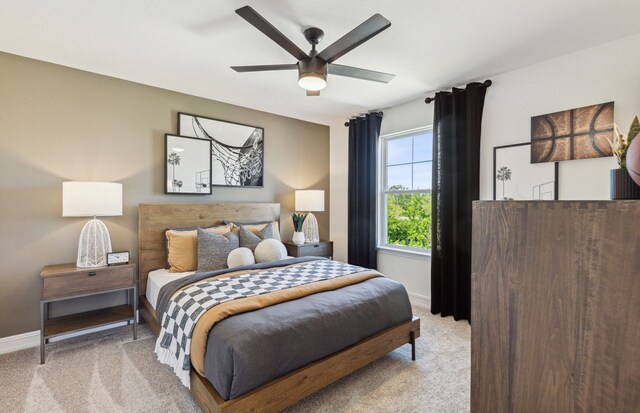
94,244
310,228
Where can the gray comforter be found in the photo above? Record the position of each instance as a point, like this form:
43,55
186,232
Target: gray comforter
247,350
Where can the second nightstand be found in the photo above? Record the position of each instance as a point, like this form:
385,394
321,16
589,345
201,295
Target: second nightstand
66,281
310,249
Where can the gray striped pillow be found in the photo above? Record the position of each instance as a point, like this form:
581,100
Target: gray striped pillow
213,249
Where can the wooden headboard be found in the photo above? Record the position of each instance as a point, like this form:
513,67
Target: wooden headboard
154,219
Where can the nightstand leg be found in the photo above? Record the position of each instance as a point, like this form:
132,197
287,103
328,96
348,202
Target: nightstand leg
42,332
135,313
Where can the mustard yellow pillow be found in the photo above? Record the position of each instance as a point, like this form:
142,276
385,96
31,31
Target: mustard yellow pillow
182,247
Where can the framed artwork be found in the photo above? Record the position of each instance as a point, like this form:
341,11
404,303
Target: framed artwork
187,165
237,151
516,178
572,134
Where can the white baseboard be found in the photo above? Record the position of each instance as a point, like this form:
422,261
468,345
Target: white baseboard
421,300
32,338
19,342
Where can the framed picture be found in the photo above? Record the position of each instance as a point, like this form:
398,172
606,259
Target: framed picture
187,165
516,178
237,151
579,133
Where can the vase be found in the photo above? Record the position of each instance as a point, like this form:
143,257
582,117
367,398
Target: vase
298,238
310,228
633,160
622,186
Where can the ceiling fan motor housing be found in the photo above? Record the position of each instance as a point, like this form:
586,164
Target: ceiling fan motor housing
313,65
312,73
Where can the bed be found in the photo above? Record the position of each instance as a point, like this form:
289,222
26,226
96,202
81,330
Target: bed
274,390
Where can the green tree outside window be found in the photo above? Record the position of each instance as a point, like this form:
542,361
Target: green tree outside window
409,218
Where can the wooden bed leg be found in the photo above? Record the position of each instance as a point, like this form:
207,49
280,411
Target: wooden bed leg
413,345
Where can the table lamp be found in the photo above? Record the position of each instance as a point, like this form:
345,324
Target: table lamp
309,200
92,199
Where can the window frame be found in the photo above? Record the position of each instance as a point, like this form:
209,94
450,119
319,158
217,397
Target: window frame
381,207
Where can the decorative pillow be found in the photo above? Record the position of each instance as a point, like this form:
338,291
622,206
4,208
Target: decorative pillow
182,247
213,249
257,226
270,250
240,256
250,239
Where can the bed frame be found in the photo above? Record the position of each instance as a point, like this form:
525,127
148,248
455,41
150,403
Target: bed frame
154,219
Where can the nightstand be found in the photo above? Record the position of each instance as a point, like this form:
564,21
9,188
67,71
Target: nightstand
308,249
66,281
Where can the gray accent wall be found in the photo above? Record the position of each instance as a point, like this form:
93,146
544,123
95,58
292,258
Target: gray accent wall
58,124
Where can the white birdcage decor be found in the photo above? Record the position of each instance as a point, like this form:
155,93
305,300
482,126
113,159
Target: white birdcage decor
307,201
91,199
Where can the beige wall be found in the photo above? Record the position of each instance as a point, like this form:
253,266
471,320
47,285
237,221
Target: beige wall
59,124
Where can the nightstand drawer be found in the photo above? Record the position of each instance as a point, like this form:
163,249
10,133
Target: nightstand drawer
318,249
310,249
87,281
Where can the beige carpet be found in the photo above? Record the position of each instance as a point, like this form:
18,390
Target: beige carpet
109,372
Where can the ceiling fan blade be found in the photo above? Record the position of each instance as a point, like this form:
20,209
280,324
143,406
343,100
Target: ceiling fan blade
356,72
313,93
260,23
264,68
371,27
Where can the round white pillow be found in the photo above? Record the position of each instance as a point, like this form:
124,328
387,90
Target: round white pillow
240,256
270,250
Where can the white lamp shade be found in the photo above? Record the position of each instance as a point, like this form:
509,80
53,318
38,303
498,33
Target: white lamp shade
88,199
310,200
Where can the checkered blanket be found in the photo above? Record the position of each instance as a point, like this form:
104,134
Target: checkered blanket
173,346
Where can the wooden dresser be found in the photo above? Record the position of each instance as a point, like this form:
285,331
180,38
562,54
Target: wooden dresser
555,319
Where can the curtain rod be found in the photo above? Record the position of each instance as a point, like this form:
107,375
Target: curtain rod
377,112
486,83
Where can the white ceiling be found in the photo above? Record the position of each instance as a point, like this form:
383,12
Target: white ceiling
188,45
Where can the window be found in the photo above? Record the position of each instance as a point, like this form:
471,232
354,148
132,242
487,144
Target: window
405,190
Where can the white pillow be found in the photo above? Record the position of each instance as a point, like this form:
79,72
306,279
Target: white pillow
240,256
270,250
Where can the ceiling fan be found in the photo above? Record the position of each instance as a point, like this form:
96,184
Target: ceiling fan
314,67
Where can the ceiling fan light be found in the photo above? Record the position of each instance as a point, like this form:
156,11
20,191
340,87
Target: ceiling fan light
312,81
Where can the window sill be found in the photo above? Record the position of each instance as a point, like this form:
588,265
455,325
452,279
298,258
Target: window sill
406,253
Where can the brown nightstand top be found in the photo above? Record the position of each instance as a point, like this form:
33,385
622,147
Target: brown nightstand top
57,270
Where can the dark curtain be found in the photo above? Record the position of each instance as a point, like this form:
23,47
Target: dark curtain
363,154
456,168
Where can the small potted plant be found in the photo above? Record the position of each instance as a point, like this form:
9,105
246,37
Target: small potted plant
621,184
298,235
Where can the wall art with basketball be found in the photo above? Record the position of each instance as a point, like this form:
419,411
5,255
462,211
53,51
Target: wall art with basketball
237,150
579,133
